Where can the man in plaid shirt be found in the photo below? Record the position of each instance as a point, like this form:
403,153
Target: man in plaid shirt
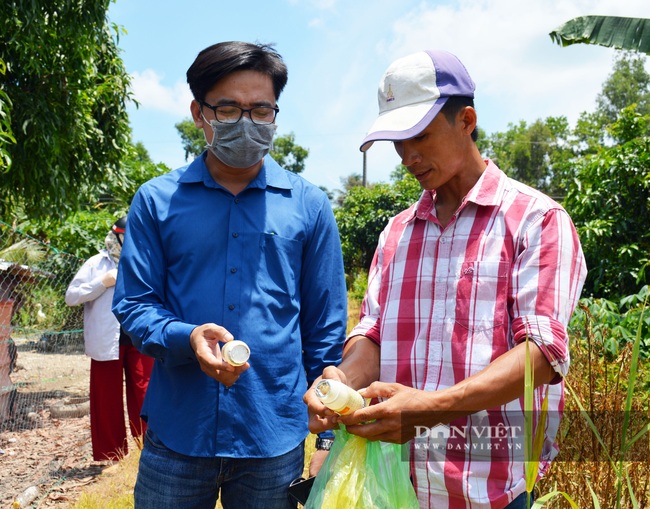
481,269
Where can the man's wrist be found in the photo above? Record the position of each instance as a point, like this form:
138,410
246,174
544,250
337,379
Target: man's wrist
325,440
324,444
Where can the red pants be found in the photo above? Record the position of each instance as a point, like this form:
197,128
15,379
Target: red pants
107,426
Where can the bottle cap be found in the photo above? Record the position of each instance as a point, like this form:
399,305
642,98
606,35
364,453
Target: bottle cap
338,397
235,352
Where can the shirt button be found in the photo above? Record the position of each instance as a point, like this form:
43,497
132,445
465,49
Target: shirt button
231,307
236,200
235,234
233,270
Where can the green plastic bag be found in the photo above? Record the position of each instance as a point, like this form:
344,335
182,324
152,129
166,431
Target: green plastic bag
359,474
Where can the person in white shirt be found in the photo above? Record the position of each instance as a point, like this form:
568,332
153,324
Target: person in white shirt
114,359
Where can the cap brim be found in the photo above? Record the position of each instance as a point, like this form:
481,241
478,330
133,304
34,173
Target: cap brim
402,123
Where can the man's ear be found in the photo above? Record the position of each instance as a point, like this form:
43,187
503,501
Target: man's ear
195,109
468,118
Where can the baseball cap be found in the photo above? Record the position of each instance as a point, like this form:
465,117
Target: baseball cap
119,226
413,90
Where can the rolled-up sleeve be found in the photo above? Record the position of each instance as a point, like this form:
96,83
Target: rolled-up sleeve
547,279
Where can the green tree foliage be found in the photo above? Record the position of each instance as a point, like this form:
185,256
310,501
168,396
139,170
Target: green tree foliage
118,191
351,181
609,201
534,154
365,212
629,83
286,152
6,132
542,154
68,88
601,166
192,138
82,232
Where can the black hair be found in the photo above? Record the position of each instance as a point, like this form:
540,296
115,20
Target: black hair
453,105
219,60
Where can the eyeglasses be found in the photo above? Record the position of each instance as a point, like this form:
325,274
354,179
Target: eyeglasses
230,114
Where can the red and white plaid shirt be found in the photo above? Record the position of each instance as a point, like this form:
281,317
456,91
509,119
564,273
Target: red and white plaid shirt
443,303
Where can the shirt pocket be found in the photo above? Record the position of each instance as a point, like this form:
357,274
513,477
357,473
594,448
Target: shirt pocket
280,264
482,295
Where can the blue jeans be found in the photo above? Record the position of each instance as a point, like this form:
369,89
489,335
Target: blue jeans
520,501
168,480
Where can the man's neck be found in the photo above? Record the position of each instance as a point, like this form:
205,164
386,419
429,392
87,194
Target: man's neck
234,180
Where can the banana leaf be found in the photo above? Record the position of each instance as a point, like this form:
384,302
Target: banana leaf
610,31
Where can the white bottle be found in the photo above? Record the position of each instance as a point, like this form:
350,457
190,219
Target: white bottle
26,498
235,352
338,397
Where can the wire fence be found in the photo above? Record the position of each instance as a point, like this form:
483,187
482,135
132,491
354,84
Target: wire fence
39,333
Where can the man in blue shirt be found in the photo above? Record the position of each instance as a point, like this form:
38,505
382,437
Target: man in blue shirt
230,247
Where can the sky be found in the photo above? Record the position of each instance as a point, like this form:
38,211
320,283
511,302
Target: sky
336,52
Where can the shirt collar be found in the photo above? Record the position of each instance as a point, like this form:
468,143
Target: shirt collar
271,174
488,191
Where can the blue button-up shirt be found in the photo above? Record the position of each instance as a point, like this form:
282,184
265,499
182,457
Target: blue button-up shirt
266,265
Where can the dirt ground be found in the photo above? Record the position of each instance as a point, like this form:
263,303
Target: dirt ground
37,449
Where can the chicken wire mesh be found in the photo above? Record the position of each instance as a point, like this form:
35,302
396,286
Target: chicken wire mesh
35,322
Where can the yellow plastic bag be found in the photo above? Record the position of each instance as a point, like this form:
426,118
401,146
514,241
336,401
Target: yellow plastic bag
359,474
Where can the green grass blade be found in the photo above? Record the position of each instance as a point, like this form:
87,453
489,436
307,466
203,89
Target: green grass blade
532,467
636,437
540,432
630,490
634,366
594,497
549,496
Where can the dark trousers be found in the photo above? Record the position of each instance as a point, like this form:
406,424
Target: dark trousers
520,501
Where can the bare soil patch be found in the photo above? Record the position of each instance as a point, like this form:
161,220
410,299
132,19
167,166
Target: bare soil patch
53,454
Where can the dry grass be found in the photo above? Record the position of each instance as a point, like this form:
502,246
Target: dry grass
601,387
354,307
114,489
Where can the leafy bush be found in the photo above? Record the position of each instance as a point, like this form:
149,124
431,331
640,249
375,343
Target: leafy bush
613,326
609,201
365,213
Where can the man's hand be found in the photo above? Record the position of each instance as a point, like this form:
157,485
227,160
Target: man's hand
322,418
205,340
317,459
395,419
109,278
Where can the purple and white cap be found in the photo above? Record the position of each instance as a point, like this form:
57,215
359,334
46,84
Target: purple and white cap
413,90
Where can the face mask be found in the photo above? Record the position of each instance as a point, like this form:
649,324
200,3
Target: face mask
113,246
241,145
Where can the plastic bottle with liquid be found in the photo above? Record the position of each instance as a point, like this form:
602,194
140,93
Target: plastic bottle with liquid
339,397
